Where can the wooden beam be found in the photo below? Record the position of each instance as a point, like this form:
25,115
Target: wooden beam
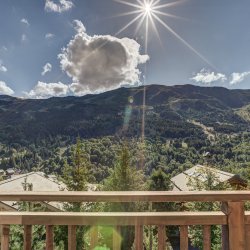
5,237
247,230
161,237
49,238
71,237
183,237
27,239
206,237
114,218
139,237
236,225
147,196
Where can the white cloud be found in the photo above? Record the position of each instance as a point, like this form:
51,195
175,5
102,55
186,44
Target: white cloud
61,6
208,77
4,49
49,36
100,62
45,90
4,89
2,67
24,38
46,68
239,77
25,21
79,26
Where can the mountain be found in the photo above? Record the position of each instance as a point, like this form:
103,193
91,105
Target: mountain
171,112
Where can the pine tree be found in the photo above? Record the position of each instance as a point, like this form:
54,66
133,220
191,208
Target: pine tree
124,177
76,176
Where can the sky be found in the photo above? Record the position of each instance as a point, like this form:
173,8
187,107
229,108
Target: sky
75,47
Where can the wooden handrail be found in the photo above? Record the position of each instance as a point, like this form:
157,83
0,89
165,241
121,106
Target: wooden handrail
111,218
146,196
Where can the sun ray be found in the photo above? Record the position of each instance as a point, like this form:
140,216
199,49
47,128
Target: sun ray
155,2
127,13
140,24
167,5
129,24
181,39
140,2
146,38
128,3
155,29
169,15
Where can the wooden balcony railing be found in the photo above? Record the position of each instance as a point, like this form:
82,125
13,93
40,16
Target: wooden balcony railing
235,221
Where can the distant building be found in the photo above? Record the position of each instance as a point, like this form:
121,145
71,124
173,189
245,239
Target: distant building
34,181
180,181
10,171
37,182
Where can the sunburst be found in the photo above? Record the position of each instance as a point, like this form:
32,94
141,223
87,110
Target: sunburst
150,12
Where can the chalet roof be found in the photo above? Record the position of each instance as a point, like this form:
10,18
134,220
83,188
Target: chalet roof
39,183
180,181
38,179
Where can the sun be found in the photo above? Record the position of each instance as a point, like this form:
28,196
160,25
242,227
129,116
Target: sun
148,8
148,13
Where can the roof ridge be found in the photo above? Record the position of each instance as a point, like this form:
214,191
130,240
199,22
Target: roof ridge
17,177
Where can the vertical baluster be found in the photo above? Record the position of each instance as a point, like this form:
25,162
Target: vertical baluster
139,237
247,229
27,244
72,237
161,237
49,238
236,225
206,237
224,229
5,237
93,237
184,237
117,238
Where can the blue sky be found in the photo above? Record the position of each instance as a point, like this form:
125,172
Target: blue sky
33,34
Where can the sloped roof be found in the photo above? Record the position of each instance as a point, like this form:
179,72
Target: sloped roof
38,179
180,181
39,183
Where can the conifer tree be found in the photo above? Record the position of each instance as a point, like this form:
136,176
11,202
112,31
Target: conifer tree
76,176
124,177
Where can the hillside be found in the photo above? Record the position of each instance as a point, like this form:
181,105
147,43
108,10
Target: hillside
182,123
168,113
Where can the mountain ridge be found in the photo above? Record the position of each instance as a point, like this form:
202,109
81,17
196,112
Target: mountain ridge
119,112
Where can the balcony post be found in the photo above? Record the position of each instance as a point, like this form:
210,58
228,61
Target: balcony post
139,237
27,244
161,237
206,237
5,237
49,238
236,225
72,237
224,229
184,237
